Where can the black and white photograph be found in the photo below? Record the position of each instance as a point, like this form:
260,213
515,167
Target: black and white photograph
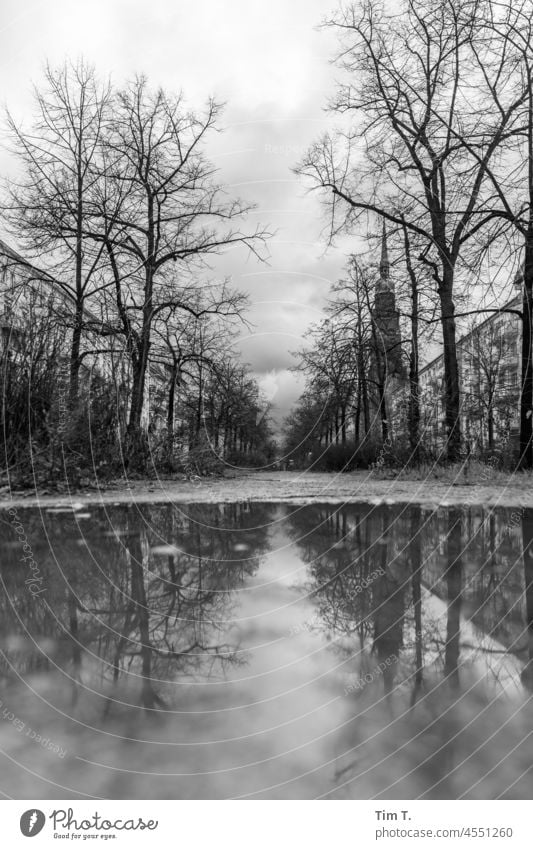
266,364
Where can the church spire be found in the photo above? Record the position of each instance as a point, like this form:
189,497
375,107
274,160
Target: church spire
384,265
386,316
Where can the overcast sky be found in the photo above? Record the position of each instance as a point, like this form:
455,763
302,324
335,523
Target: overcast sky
270,64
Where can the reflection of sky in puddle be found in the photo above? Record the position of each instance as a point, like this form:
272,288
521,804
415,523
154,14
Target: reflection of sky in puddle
265,650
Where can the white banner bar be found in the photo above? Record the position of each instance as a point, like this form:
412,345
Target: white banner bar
268,825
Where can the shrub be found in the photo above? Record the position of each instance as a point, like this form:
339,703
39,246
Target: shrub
342,457
199,460
247,460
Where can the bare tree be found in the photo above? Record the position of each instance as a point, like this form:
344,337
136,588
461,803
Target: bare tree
414,352
47,205
358,301
186,345
161,212
350,306
508,29
329,365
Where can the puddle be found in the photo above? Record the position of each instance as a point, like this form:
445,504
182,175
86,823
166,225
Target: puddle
268,651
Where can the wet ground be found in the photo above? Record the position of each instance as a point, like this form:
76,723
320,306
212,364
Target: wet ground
484,485
266,650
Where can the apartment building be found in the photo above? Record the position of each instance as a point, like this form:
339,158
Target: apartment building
489,361
30,296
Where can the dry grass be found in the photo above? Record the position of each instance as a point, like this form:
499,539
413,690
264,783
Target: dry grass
474,472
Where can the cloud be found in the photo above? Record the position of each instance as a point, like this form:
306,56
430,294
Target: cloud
281,389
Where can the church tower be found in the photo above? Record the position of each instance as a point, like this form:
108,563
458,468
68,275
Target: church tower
384,264
387,319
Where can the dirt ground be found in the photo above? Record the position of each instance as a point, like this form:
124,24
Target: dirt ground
296,487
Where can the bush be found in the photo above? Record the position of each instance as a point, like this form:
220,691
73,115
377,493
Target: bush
342,457
200,460
247,460
29,375
43,441
92,439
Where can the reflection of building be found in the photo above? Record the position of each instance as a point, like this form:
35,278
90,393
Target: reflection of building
489,361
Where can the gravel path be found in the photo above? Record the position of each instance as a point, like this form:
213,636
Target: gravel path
297,487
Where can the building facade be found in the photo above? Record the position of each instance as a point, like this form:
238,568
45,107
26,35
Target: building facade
30,298
489,363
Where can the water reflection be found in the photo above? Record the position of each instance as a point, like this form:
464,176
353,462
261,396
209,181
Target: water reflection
426,608
527,548
263,650
122,604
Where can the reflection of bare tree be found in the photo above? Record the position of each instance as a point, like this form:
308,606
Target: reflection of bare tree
337,542
73,630
175,617
454,581
151,599
414,554
492,578
453,741
359,576
146,648
181,594
527,543
23,618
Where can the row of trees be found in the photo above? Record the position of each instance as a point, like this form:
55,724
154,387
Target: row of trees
437,140
347,364
114,195
350,409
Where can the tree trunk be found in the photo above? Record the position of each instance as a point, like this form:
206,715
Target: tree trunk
414,383
343,424
527,548
75,349
490,425
136,448
383,410
136,440
363,389
526,395
171,401
198,425
170,413
357,417
451,371
137,398
78,281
